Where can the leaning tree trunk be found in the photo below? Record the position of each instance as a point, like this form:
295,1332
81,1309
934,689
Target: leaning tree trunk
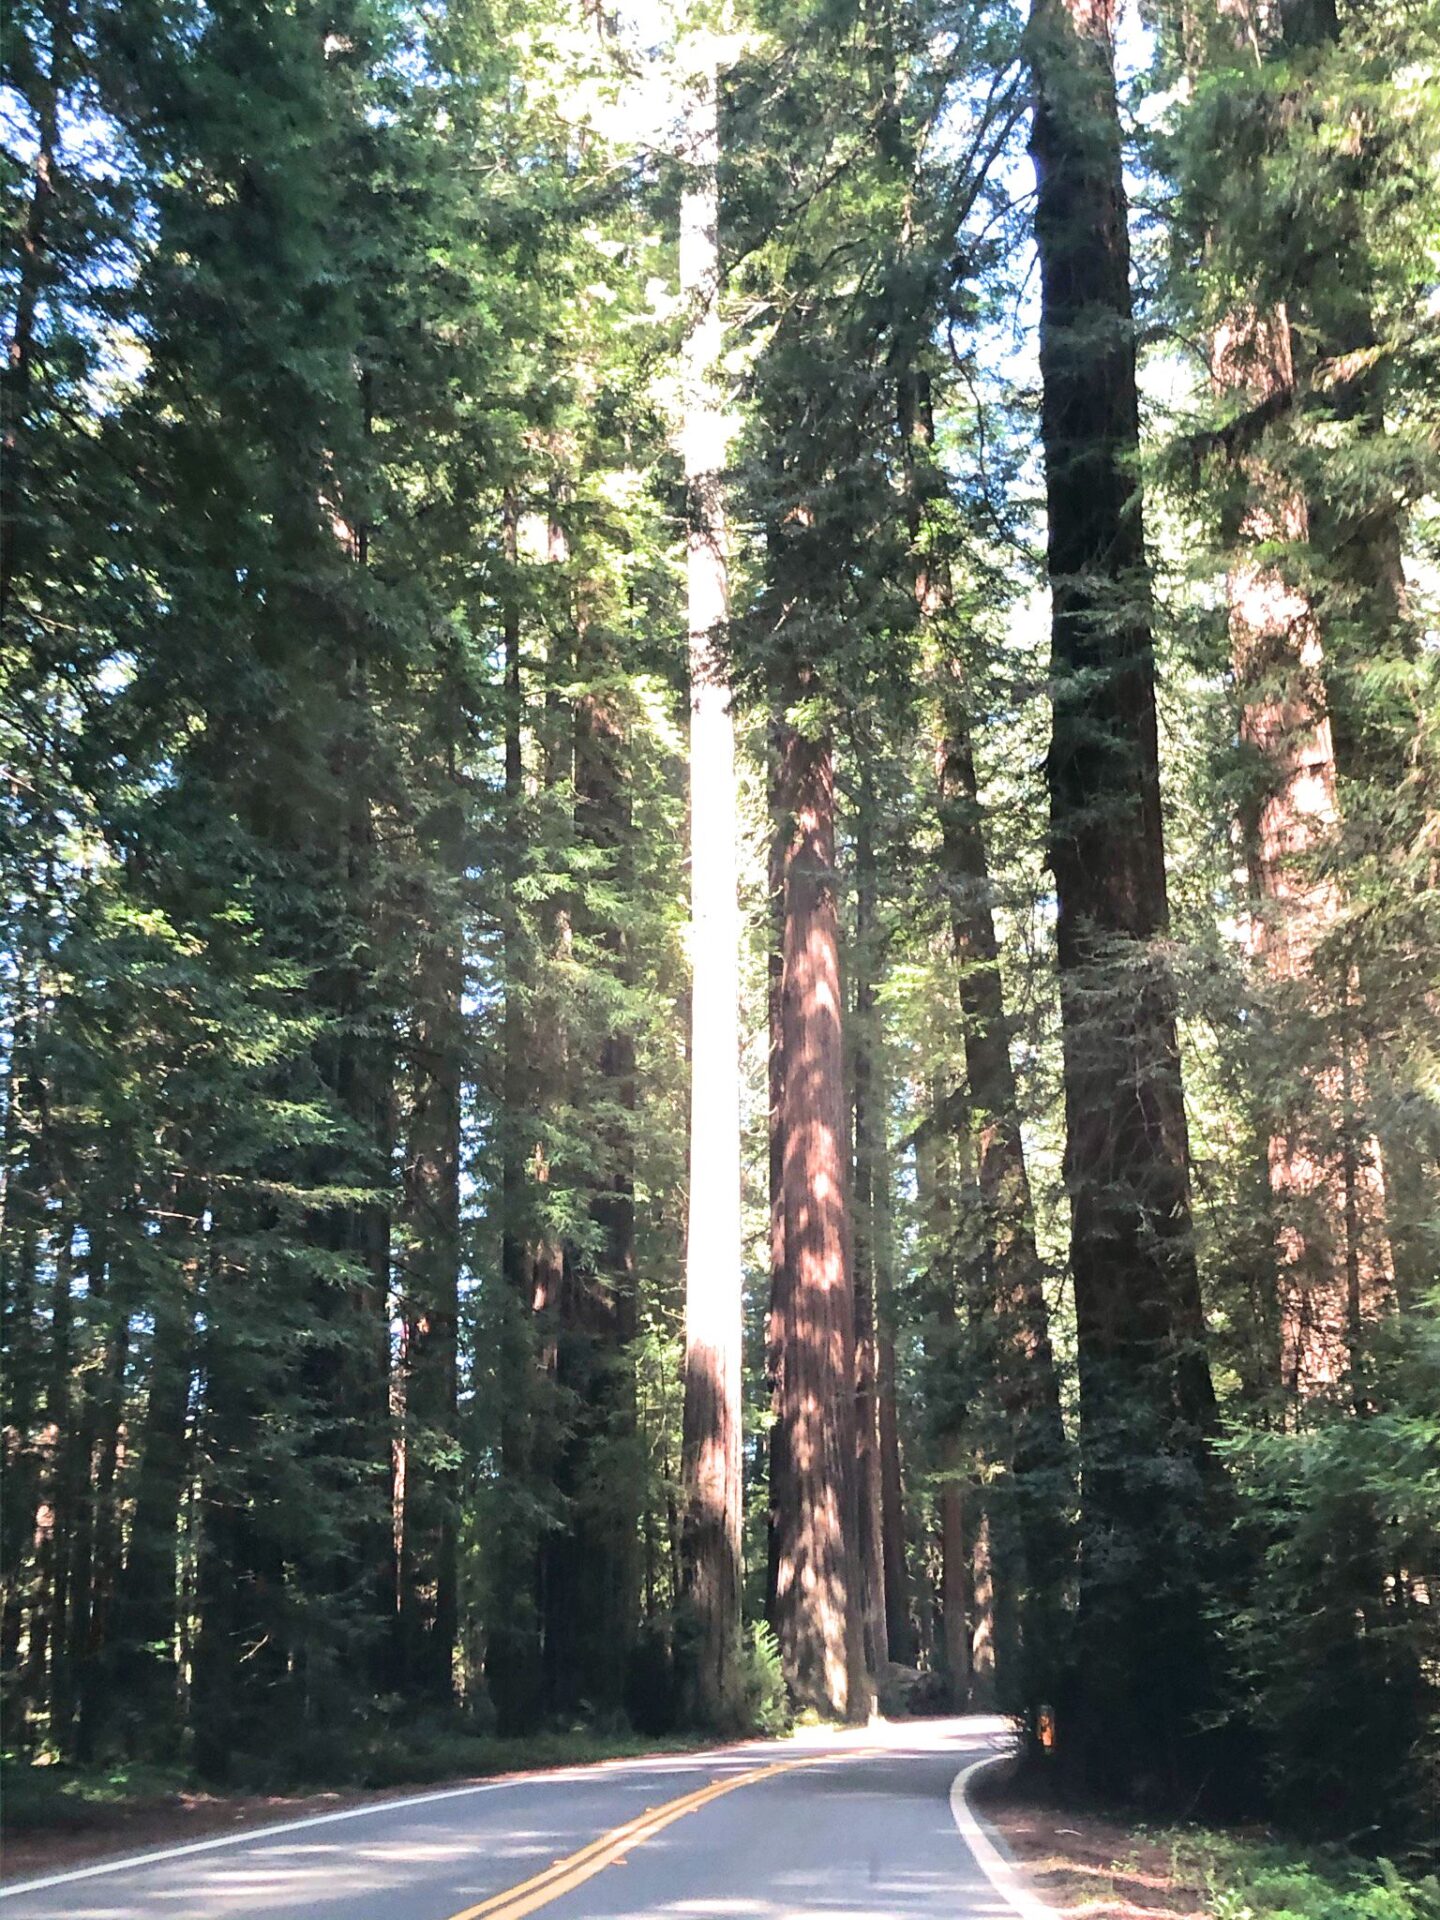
1145,1669
817,1586
713,1271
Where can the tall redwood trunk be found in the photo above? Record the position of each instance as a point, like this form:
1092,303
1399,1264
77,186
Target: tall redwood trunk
778,1463
1145,1667
817,1590
713,1272
1326,1183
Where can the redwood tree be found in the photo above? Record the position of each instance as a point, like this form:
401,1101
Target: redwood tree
1146,1405
713,1275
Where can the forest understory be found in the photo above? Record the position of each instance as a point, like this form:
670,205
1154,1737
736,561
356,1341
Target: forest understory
720,971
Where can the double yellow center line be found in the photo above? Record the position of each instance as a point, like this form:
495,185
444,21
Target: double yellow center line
563,1876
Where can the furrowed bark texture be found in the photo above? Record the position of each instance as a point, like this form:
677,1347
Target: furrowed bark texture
713,1272
1146,1403
1326,1182
817,1588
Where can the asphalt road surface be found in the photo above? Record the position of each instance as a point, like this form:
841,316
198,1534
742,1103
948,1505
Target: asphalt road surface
857,1825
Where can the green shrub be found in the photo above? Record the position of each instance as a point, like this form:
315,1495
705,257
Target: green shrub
1249,1880
763,1698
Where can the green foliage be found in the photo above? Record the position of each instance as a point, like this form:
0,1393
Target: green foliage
763,1703
342,939
1256,1880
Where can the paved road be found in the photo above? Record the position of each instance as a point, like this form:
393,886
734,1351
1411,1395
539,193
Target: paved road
858,1825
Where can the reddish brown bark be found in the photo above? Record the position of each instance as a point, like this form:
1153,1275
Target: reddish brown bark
1326,1181
817,1589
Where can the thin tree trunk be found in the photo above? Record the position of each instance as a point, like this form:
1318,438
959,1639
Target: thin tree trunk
713,1271
512,1657
1146,1403
942,1148
428,1595
54,1513
954,1571
20,1219
899,1588
146,1597
817,1598
1028,1383
869,1213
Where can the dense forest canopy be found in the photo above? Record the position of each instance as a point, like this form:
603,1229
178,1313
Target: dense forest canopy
721,961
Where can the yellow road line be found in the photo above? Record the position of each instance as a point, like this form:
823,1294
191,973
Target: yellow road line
563,1876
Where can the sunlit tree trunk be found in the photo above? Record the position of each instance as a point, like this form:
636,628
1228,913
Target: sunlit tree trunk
817,1589
1145,1668
713,1275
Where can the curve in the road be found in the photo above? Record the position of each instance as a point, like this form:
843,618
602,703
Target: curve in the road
565,1875
863,1825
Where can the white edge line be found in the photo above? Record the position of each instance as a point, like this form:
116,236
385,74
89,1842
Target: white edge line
156,1856
1000,1872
